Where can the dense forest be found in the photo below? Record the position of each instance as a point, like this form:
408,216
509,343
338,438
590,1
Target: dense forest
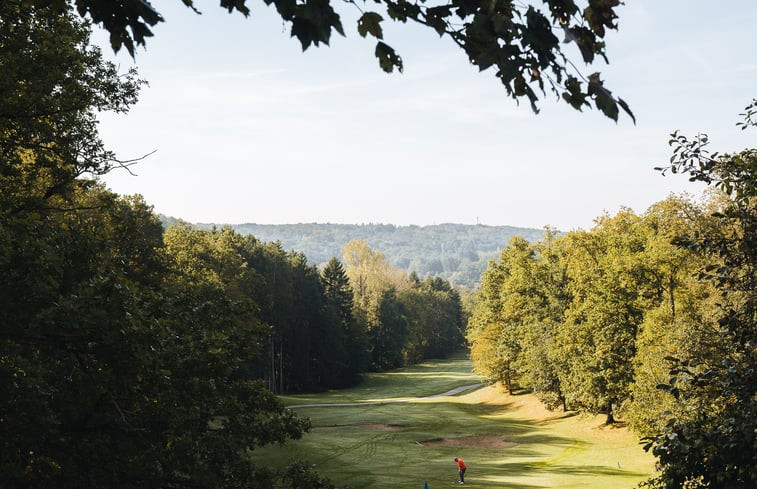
133,355
137,356
457,253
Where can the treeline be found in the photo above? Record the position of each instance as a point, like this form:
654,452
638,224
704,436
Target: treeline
649,317
116,333
135,357
320,329
457,253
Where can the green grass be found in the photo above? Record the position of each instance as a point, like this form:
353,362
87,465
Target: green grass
541,450
420,380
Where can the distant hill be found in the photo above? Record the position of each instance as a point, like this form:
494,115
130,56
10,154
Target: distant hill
456,252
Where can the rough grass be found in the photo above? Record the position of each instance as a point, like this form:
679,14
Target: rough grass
507,441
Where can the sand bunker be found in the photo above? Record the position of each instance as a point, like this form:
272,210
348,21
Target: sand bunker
477,441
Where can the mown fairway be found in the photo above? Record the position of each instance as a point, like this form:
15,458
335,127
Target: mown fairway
507,441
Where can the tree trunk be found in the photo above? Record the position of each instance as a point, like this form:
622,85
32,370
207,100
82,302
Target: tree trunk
610,418
272,372
561,397
281,368
508,382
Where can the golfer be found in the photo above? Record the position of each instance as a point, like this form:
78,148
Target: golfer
461,469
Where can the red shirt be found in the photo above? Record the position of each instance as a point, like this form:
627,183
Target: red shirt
460,464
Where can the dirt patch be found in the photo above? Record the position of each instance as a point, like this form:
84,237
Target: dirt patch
381,427
477,441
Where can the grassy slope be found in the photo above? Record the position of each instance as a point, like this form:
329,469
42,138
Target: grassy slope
546,449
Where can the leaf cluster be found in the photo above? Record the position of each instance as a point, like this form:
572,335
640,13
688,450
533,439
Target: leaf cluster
519,40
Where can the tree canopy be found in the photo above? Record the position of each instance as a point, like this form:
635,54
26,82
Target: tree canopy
521,41
712,443
649,317
123,362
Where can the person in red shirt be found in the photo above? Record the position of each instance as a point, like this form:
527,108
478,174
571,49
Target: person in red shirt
461,469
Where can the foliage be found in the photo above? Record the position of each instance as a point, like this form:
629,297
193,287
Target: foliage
609,283
539,362
458,253
716,444
683,320
405,320
435,323
48,134
675,288
499,315
124,362
513,326
484,329
339,300
369,273
563,317
387,331
518,40
119,375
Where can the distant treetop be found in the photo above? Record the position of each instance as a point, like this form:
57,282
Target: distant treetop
458,253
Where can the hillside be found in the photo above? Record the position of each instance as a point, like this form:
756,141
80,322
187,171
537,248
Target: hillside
456,252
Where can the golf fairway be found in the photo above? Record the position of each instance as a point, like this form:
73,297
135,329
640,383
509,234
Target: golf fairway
400,440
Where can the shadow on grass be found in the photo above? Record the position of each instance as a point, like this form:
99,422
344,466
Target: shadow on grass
348,446
518,469
496,482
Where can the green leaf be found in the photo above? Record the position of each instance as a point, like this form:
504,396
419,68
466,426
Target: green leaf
626,109
370,23
573,94
387,57
602,97
313,21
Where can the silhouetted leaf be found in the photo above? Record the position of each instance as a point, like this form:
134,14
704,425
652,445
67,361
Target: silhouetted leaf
370,23
387,58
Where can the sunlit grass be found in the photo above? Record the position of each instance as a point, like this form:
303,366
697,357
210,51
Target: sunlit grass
391,445
420,380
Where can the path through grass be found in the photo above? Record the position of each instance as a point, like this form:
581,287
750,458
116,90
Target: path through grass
507,441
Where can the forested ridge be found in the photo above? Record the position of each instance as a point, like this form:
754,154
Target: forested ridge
458,253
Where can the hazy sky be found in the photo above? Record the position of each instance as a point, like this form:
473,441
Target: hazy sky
248,128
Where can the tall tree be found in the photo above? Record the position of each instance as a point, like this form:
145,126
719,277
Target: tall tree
116,369
510,297
368,271
388,332
434,313
316,347
338,294
608,280
52,84
548,301
716,447
485,325
675,322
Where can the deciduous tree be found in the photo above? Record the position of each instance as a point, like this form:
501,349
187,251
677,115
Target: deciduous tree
716,447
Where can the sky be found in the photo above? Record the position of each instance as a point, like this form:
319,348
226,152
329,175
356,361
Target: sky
245,127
